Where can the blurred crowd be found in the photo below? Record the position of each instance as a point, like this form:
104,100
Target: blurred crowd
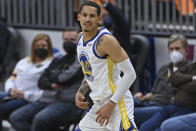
39,93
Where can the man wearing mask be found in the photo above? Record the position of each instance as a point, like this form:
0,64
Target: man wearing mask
60,82
162,93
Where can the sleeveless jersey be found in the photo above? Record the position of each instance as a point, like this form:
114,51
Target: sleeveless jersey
102,75
96,68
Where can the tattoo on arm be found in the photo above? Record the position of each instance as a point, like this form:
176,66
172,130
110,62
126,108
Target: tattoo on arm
84,88
100,41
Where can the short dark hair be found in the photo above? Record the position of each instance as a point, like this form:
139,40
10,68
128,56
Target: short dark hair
93,4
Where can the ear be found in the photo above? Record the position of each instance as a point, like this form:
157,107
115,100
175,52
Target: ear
186,51
169,51
100,20
78,16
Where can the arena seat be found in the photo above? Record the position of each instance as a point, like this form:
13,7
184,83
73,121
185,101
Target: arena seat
141,47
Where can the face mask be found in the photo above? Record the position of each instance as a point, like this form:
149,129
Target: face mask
69,47
176,56
41,52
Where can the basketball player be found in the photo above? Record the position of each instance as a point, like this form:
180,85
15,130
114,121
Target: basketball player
102,59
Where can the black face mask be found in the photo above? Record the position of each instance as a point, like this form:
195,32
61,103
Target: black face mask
69,47
41,52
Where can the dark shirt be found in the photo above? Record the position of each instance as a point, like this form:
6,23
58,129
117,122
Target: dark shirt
4,37
186,87
65,71
121,28
163,91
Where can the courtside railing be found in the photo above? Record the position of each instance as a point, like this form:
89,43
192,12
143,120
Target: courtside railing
148,17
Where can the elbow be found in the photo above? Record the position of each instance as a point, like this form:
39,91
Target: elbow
134,76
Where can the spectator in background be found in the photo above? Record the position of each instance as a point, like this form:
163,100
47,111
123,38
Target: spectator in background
4,39
184,100
180,123
5,34
60,82
162,92
21,88
113,19
184,79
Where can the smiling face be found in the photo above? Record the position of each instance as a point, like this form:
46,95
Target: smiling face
88,18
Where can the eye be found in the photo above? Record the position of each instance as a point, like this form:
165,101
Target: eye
72,39
177,48
65,40
92,15
43,46
84,14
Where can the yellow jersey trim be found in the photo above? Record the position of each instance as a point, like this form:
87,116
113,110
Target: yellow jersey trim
121,103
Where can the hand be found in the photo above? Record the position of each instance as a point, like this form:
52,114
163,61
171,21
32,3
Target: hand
147,97
14,92
104,113
194,77
139,96
79,101
103,1
56,86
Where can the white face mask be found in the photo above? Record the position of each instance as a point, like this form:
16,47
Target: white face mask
176,56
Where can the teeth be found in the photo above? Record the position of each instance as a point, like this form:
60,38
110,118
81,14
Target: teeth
87,24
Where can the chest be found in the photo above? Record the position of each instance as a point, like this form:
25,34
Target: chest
30,69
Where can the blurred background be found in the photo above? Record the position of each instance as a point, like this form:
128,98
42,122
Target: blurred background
155,20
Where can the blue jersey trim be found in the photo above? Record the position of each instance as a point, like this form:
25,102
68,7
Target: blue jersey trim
95,43
130,129
85,43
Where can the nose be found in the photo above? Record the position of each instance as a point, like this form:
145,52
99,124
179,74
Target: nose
87,18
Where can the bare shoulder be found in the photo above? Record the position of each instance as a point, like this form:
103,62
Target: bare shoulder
109,45
108,41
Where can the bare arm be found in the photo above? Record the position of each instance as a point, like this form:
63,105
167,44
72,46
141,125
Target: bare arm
80,95
84,88
109,46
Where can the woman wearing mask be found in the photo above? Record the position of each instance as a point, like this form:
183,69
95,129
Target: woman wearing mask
60,82
21,87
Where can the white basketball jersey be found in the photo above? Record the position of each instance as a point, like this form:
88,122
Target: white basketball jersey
95,68
102,74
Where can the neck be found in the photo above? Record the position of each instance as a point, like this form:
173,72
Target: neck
38,60
180,63
87,35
